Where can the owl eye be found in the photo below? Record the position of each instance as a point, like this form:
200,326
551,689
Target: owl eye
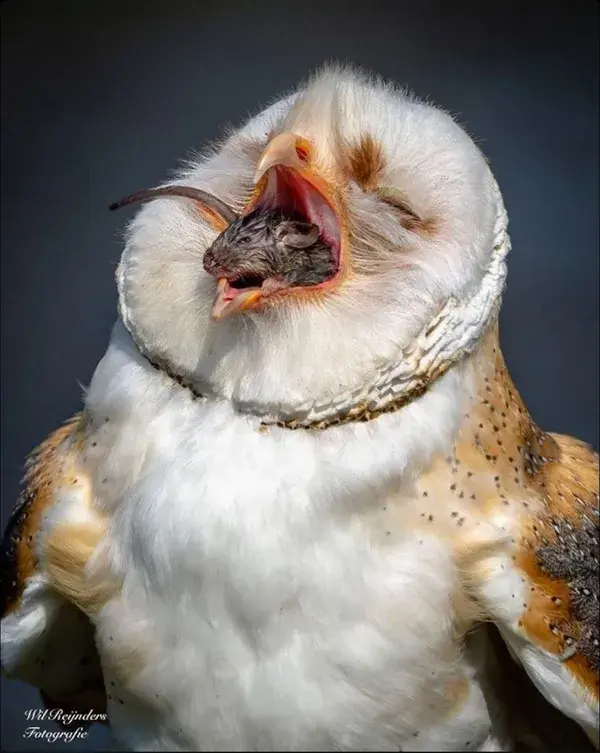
399,200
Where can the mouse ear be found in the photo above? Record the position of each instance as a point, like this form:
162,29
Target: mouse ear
297,234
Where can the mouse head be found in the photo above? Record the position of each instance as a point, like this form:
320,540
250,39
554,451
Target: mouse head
255,244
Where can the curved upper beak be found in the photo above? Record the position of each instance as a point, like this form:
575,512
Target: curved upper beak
285,150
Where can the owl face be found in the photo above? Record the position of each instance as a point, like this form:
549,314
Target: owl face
403,200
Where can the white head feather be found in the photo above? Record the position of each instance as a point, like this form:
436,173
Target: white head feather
302,351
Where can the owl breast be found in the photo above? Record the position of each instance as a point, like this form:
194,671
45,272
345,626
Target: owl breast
265,601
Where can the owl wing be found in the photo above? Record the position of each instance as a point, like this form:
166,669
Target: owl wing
47,640
543,593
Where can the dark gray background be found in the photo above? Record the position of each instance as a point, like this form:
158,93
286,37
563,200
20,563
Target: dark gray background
100,98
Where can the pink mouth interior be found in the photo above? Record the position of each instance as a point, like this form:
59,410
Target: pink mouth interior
289,192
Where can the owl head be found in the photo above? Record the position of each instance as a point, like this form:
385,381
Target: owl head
403,199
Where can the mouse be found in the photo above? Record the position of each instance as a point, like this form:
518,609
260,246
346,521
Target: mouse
270,250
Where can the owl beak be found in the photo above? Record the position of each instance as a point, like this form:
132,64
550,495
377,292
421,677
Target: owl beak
230,301
291,155
286,150
286,179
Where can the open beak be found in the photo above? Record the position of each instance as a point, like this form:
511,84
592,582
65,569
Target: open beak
230,301
285,179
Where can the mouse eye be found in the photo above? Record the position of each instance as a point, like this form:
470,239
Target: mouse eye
244,240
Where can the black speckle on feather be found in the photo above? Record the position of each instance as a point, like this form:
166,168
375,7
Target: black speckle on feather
9,584
574,556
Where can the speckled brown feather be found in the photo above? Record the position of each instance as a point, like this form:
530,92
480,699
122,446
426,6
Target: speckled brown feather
44,473
50,467
544,488
559,554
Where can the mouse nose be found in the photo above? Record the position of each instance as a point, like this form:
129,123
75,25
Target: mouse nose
210,263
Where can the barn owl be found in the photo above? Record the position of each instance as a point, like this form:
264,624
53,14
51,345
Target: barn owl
306,517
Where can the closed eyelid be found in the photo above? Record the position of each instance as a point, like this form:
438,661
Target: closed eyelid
396,198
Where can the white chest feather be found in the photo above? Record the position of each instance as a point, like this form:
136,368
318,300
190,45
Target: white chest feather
271,607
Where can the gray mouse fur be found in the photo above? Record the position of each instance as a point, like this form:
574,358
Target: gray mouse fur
268,245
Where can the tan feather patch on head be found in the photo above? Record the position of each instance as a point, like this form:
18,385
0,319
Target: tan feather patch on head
365,162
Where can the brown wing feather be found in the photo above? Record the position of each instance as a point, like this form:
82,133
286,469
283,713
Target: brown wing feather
560,554
49,468
44,472
539,492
